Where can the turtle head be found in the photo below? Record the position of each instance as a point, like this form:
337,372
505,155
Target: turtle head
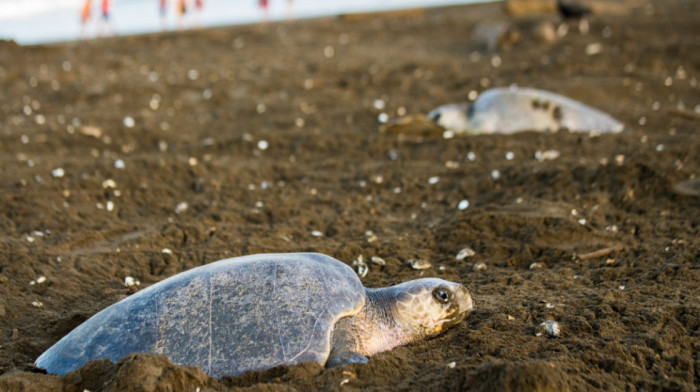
454,117
429,306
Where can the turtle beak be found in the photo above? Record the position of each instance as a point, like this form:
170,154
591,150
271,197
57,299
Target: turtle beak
464,300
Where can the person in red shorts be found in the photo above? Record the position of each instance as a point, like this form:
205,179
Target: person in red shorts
106,26
264,6
198,7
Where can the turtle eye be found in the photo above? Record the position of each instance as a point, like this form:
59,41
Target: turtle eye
441,295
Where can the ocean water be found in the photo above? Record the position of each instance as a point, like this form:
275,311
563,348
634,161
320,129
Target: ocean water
41,21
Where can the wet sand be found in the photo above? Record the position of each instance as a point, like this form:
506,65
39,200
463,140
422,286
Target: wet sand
240,140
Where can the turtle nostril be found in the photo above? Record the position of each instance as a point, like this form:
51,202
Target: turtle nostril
435,117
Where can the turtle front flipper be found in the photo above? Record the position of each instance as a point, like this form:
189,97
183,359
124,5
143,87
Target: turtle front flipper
341,357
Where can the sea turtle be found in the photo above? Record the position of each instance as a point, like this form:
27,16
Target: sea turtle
256,312
514,109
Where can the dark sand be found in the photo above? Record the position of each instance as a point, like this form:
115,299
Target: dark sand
629,319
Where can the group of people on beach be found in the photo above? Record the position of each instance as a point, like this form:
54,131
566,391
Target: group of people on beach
182,9
104,27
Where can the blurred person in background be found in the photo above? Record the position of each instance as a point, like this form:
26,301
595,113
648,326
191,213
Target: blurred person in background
264,7
106,26
163,11
85,17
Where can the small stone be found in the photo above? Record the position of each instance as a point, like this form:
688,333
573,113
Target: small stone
480,266
495,174
452,365
41,279
536,265
463,205
129,122
433,180
37,304
58,172
419,264
119,164
167,251
378,260
610,261
510,318
383,118
131,282
548,155
464,253
317,233
370,236
594,48
263,145
109,183
181,207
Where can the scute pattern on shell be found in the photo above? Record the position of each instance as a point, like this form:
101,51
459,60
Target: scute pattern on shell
227,317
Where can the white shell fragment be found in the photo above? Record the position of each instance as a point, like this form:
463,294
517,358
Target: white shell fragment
378,261
419,264
550,328
513,109
130,282
548,155
360,266
464,253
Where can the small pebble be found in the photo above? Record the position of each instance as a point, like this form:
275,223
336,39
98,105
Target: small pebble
378,261
419,264
510,155
167,251
131,282
433,180
119,164
129,122
109,183
383,118
495,174
594,48
471,156
37,304
181,207
479,266
263,145
463,205
370,236
317,233
536,265
452,365
464,253
548,155
58,172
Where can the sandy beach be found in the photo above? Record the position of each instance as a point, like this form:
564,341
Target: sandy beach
144,156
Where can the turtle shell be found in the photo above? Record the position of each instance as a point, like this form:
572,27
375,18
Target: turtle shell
227,317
